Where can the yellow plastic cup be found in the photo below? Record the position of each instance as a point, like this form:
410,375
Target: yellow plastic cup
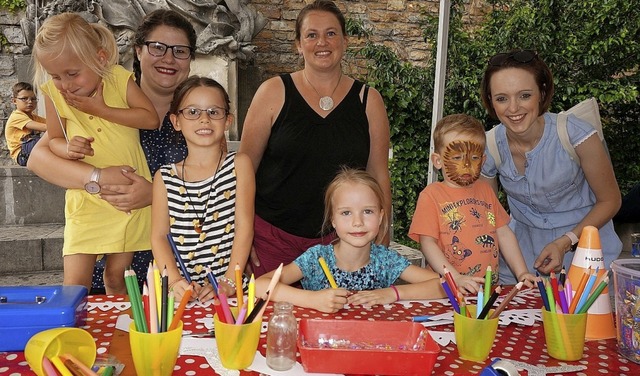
474,337
564,334
155,353
58,341
237,344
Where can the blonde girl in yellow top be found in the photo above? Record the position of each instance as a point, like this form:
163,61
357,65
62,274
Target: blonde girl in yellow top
94,110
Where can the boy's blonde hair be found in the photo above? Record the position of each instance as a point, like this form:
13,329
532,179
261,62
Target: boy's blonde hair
70,33
459,123
350,175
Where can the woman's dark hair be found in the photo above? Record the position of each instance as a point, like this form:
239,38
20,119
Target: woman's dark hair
537,67
323,6
161,17
189,84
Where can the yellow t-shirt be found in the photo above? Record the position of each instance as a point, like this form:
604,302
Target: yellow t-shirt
93,225
15,129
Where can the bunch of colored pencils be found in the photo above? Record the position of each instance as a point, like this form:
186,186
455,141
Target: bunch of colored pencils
153,311
486,298
557,293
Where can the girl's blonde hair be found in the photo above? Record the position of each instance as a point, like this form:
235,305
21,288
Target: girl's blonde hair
348,175
70,33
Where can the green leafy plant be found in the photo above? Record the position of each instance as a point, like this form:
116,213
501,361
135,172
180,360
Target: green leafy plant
13,5
591,46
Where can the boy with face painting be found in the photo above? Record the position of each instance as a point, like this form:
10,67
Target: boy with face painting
459,221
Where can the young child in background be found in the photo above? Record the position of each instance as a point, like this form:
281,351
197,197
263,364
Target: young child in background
459,222
94,112
206,200
23,128
363,270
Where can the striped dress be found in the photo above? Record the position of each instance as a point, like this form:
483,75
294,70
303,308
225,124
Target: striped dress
211,247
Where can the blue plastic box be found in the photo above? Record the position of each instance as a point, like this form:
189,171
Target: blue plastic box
27,310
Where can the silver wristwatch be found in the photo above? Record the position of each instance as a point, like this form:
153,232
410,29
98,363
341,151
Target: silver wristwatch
92,186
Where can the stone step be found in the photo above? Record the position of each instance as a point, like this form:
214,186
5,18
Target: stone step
28,199
30,248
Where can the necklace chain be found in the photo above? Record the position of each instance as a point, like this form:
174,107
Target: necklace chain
516,143
326,102
198,223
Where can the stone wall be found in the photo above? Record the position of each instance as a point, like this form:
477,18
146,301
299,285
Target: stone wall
395,23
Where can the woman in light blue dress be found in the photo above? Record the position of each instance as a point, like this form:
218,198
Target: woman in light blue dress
551,197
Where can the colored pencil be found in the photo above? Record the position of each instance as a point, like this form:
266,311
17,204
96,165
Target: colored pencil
171,302
164,298
587,289
157,284
492,299
239,292
568,290
108,371
487,285
135,299
420,318
83,368
506,300
480,302
563,276
153,304
272,284
449,277
181,307
212,280
549,291
241,315
59,365
48,368
594,295
251,294
145,304
581,285
327,272
176,255
219,311
543,293
554,286
563,300
261,302
452,299
225,308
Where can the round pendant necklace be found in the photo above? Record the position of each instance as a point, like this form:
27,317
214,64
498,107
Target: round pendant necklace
326,102
198,223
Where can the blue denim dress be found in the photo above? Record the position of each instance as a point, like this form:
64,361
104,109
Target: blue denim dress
551,197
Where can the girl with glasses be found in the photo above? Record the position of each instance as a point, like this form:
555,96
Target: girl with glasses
551,198
206,200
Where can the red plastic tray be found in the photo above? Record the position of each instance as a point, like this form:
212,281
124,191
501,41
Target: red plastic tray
398,336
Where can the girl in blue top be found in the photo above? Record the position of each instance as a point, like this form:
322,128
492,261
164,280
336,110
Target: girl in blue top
363,271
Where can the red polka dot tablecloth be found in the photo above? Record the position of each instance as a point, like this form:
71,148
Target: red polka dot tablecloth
515,341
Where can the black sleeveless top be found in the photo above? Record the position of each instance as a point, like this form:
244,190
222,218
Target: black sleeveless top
303,154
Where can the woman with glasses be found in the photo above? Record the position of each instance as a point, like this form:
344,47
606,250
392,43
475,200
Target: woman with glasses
551,197
158,72
300,128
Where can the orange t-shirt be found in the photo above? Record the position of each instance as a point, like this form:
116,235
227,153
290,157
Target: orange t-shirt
464,222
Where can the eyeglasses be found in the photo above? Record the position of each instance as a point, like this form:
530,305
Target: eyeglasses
522,57
215,113
28,99
159,49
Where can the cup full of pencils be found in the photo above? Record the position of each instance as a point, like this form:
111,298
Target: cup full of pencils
474,336
564,334
52,348
237,341
155,353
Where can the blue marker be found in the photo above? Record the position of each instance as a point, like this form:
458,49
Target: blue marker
420,318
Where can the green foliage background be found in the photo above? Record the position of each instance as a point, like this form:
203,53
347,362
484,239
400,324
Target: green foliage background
591,46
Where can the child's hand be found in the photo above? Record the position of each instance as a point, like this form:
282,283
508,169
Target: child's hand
93,105
329,300
179,287
227,289
468,285
528,279
370,298
79,147
205,292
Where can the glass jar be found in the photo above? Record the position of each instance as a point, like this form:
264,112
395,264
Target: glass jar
282,334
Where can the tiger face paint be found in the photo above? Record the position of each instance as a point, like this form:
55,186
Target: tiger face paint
462,162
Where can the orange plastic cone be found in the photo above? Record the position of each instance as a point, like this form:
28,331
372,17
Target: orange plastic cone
589,253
